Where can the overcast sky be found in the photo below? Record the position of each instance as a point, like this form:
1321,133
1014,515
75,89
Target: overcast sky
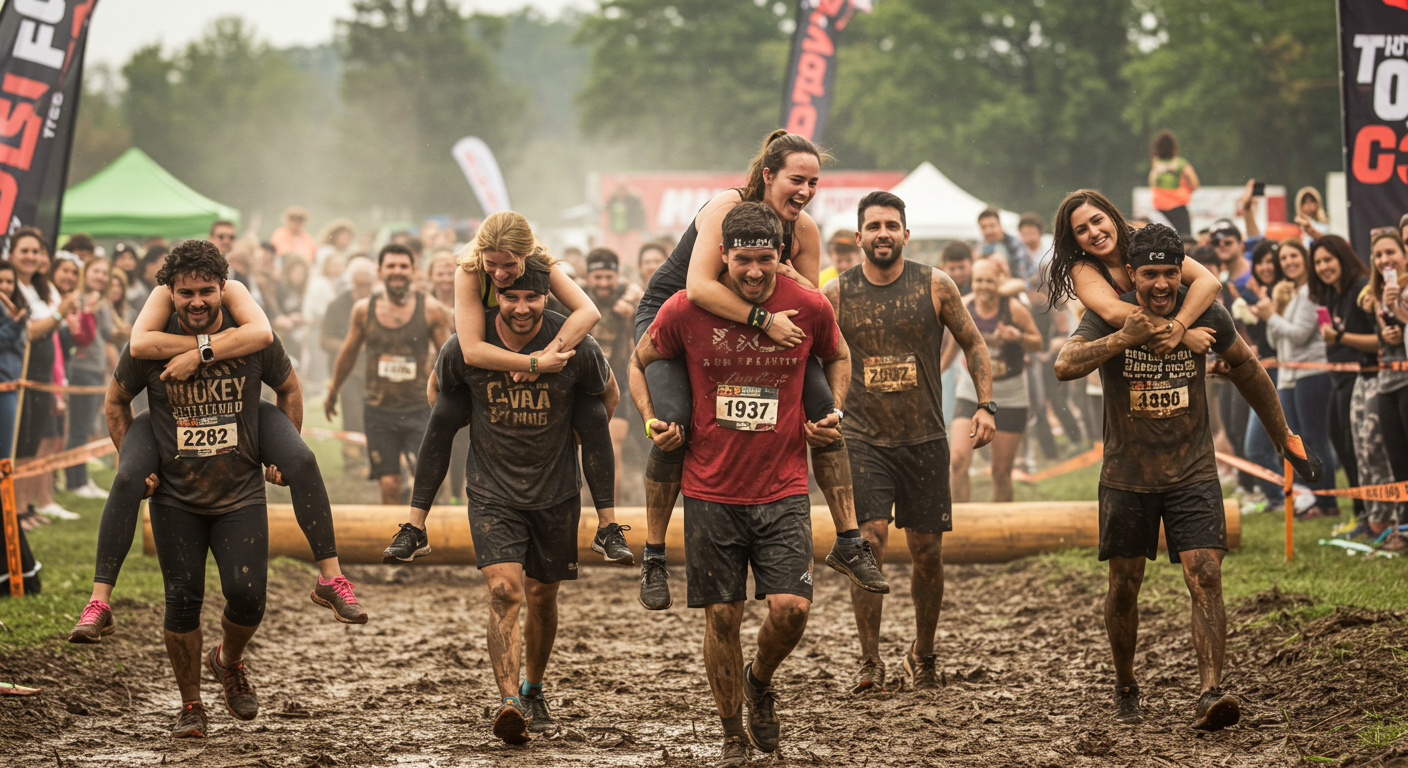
120,27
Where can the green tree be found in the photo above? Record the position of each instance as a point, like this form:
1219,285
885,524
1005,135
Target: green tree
99,132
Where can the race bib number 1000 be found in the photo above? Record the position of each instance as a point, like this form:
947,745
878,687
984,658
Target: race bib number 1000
1158,403
206,436
747,409
891,373
396,368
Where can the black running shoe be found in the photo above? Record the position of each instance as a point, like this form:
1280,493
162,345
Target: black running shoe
192,723
858,563
733,755
410,543
919,671
763,727
1127,705
540,720
1216,710
511,724
870,678
1304,461
611,542
654,584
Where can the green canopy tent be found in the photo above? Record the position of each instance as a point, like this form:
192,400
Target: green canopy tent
135,197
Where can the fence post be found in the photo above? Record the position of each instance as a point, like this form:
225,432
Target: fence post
1290,513
12,528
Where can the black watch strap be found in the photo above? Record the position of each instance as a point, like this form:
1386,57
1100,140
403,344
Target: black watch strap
990,406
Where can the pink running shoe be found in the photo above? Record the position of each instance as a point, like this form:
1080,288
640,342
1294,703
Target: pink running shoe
95,622
337,595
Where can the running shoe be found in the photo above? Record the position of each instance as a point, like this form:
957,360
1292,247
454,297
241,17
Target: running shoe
654,584
54,511
95,622
858,563
337,595
1127,705
90,490
870,678
611,542
1216,710
1304,461
239,694
192,723
733,755
511,724
540,720
410,543
919,671
763,727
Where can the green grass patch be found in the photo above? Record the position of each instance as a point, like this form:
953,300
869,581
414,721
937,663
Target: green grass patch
1382,730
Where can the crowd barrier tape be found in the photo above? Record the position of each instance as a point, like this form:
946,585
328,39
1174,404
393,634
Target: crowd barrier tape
40,386
357,438
1081,461
1388,365
64,459
1385,492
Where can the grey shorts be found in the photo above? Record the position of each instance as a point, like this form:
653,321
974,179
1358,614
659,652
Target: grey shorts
723,540
544,541
913,479
1192,516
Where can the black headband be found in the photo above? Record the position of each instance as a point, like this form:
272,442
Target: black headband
752,241
1139,259
534,280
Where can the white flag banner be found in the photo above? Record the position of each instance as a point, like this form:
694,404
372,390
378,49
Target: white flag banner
481,170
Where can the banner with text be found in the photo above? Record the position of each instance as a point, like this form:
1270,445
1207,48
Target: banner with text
1374,65
481,170
811,71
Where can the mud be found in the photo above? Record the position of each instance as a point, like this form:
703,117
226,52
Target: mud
1022,652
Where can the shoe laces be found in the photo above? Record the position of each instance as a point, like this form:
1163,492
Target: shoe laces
93,612
653,564
342,587
235,681
408,531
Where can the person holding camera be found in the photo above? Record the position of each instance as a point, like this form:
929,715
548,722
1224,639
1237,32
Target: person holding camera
1390,274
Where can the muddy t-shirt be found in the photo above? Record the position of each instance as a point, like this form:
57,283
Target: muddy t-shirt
747,440
1157,433
523,453
207,427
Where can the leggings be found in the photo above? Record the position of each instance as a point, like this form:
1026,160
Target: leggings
1393,420
1306,406
1341,432
451,413
279,445
240,542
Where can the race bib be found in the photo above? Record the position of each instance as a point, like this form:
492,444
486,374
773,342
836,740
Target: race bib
1158,403
202,436
747,409
999,368
396,368
891,373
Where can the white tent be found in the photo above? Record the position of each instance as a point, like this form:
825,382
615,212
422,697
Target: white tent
936,208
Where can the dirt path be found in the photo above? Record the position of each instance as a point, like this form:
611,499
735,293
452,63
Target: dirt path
1022,650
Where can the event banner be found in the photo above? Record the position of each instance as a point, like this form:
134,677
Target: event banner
811,72
41,72
481,170
1374,67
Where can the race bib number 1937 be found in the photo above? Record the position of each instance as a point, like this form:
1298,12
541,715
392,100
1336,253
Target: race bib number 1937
206,436
747,409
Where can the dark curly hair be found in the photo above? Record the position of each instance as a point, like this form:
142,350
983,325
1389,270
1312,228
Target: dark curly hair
198,259
1155,238
1066,252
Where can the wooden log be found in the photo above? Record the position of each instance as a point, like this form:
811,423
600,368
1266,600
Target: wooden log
982,533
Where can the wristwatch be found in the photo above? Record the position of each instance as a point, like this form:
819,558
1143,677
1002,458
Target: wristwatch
207,355
990,406
840,415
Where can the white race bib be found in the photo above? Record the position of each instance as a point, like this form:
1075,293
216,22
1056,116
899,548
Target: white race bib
891,373
1158,403
396,368
747,409
206,436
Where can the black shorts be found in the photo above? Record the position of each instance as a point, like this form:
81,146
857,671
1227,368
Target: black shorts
722,540
911,478
391,434
1006,420
1193,518
543,541
37,423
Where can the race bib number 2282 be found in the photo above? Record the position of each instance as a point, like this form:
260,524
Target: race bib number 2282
206,436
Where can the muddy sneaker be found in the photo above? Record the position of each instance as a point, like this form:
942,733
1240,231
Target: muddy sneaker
337,595
1306,464
511,724
611,542
733,755
239,694
858,563
1216,710
919,671
95,622
192,723
654,584
410,543
540,720
870,678
1127,705
763,728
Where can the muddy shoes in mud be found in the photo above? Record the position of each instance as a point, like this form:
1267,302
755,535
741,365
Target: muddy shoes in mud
858,563
610,541
239,694
410,543
540,720
919,671
763,727
1127,705
1307,465
870,678
733,755
654,584
1216,710
95,623
337,595
192,723
511,724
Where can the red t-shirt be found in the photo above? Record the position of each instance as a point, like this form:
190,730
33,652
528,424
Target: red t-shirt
747,440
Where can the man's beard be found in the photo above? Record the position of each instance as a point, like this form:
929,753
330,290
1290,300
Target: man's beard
896,251
509,320
211,312
397,289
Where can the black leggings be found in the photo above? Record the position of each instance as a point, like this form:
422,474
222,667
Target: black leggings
279,445
451,413
240,542
1393,421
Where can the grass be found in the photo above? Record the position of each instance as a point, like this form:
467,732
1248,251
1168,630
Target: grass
1382,730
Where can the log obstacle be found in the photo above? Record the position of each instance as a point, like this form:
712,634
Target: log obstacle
982,533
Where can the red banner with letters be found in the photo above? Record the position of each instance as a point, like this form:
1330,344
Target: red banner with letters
811,71
41,68
1374,67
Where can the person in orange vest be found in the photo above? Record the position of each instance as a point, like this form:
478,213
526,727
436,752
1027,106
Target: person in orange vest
1173,180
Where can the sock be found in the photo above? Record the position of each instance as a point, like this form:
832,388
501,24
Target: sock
527,688
655,550
851,537
733,724
753,680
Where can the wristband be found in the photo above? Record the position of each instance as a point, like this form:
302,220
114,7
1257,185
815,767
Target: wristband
1338,336
758,317
532,365
768,324
650,435
1180,322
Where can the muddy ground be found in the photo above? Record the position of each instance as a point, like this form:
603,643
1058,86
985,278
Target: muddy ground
1022,651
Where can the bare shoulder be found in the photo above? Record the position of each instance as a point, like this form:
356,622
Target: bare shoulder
832,292
942,287
719,206
359,309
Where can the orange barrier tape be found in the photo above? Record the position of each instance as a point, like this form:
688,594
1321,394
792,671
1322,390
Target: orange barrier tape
94,389
13,560
64,459
336,434
1385,492
1092,456
1390,365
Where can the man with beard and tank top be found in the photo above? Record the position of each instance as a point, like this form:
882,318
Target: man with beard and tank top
892,314
399,327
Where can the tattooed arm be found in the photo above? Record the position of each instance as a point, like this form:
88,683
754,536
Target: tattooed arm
948,307
1080,356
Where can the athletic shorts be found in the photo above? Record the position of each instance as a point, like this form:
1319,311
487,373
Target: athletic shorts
913,479
543,541
722,540
1006,420
391,434
1193,518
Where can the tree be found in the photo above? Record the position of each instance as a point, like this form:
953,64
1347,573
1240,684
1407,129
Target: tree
99,132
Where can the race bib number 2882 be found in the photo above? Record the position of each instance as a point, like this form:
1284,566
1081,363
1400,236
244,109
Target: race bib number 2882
744,408
206,436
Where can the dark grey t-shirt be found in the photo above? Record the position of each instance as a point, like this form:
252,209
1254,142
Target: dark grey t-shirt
523,453
1157,433
207,427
